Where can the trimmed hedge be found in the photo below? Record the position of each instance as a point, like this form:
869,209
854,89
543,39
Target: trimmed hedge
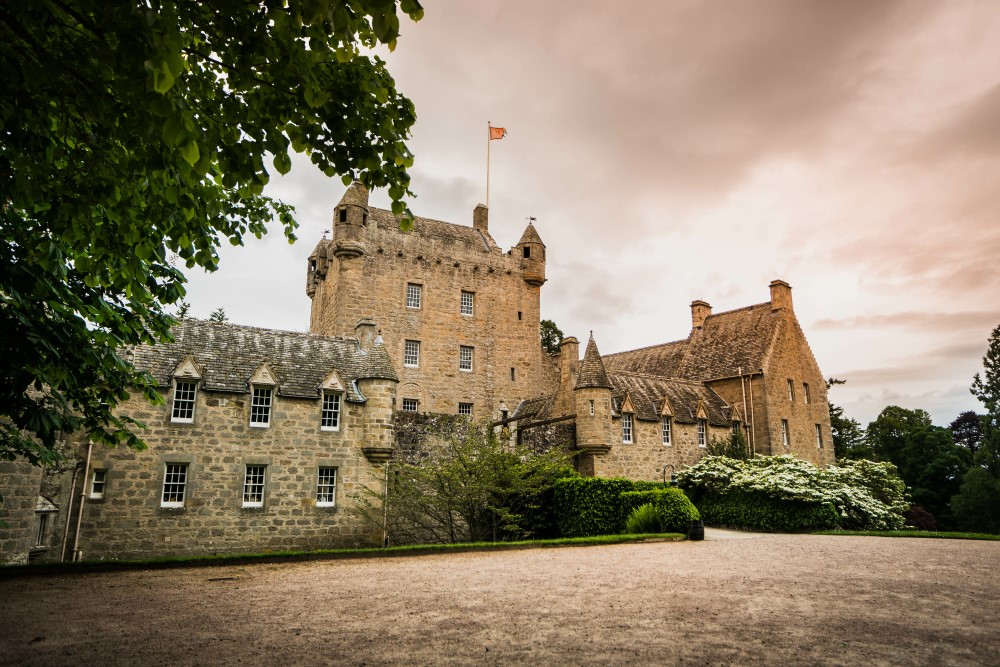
587,506
673,508
757,511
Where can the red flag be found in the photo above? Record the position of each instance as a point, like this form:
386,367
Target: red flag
497,133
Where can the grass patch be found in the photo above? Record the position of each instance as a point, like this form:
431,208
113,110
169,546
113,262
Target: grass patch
40,568
938,534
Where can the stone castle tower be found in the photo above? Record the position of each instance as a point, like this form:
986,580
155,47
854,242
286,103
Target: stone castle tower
460,317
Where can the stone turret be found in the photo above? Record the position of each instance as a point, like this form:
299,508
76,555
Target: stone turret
593,409
532,253
317,266
349,219
377,382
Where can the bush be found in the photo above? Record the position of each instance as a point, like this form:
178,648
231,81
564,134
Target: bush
758,511
977,506
587,506
919,518
865,495
643,519
674,511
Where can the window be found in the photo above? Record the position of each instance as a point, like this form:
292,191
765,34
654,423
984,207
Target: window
513,374
183,409
326,488
519,316
805,393
253,486
465,408
98,480
702,428
174,485
411,353
465,358
412,295
468,301
627,427
43,524
819,437
665,430
330,414
260,407
527,252
784,434
343,215
791,391
410,404
736,428
591,407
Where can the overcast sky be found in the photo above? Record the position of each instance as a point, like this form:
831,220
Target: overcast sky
674,151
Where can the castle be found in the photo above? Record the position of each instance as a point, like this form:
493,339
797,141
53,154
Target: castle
266,438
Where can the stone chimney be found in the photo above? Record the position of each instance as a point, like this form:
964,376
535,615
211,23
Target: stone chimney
569,363
365,331
781,295
480,218
699,311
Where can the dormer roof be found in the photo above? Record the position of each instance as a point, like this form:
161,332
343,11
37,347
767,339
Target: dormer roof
592,373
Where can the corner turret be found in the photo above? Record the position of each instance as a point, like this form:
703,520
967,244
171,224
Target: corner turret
317,266
593,410
532,253
349,219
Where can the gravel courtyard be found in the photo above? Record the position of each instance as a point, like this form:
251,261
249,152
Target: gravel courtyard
772,599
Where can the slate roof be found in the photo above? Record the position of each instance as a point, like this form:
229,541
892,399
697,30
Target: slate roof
228,354
534,408
356,194
530,235
647,393
592,373
437,230
726,344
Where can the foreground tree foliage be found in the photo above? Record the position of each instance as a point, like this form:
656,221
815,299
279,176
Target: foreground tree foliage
476,489
131,132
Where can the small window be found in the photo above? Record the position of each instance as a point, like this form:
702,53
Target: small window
465,409
736,428
591,407
184,399
519,316
43,525
330,415
665,429
791,391
785,440
513,374
343,215
468,303
260,407
411,354
627,428
98,480
410,404
805,393
413,295
253,486
819,437
465,358
326,488
174,485
527,252
702,433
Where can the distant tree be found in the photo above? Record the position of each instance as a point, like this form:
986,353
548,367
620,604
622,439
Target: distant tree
977,505
848,436
551,336
967,430
182,310
734,446
986,388
130,131
218,315
886,436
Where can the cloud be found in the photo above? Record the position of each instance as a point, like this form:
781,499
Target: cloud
919,321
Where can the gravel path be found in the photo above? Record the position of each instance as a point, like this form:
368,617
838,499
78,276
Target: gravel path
772,599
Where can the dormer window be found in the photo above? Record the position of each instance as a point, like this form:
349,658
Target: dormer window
702,433
260,407
627,428
185,393
665,431
330,415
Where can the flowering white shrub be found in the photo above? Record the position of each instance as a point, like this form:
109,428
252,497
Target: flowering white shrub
866,495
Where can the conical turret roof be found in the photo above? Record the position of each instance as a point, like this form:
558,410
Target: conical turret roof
378,366
530,235
592,373
356,194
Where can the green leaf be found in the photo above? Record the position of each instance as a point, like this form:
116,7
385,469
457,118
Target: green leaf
189,152
283,163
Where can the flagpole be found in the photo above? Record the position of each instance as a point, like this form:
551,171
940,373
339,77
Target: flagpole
489,140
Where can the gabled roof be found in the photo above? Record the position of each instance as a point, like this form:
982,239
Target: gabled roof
647,393
229,354
726,344
530,235
592,373
534,408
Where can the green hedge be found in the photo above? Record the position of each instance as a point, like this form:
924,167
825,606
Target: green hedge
673,508
757,511
587,506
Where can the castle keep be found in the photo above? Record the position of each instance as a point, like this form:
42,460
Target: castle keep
268,439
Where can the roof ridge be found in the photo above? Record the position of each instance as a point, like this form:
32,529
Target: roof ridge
649,347
652,376
250,327
737,310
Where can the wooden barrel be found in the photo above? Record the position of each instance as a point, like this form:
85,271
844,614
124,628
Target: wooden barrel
696,531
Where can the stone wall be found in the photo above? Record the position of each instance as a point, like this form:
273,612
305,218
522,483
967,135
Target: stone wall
129,521
19,485
646,456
